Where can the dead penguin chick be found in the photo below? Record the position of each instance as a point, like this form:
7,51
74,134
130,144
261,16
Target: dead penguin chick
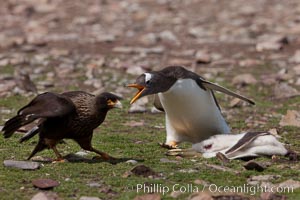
249,144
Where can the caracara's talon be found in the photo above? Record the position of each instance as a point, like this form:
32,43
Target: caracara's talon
172,145
104,157
59,160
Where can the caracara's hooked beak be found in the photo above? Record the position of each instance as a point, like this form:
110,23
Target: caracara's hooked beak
138,94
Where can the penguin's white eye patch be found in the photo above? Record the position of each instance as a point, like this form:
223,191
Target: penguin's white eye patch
148,77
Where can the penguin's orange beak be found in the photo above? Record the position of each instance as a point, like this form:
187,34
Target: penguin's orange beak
138,94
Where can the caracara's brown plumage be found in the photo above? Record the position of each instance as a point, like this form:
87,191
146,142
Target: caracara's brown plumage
71,115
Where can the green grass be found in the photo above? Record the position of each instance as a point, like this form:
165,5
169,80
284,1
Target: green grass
138,143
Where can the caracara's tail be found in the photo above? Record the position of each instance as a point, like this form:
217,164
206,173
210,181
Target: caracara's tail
14,124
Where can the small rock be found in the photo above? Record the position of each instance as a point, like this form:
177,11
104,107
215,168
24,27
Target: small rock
166,160
28,165
135,70
94,184
45,183
200,182
292,118
283,90
176,194
271,43
136,108
230,197
142,170
297,69
272,196
89,198
252,165
264,177
188,171
222,168
149,39
133,162
139,106
202,57
201,196
250,63
290,184
45,196
168,36
268,46
135,123
296,57
244,80
235,103
148,197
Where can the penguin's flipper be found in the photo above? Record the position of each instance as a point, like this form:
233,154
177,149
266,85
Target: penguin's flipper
216,87
245,140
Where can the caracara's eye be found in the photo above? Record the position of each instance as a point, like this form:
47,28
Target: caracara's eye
109,102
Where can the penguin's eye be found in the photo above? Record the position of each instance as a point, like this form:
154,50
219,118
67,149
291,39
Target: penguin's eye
148,82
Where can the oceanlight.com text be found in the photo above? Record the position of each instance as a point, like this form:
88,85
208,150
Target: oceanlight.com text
213,188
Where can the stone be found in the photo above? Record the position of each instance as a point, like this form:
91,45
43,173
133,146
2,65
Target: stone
253,165
27,165
202,56
244,80
262,46
149,39
45,196
45,183
148,197
168,36
296,57
166,160
201,196
133,162
292,118
283,90
264,177
89,198
290,184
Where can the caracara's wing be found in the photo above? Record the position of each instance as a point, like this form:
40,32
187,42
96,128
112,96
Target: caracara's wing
46,105
219,88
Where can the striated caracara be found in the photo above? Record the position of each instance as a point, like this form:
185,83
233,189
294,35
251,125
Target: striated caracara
72,115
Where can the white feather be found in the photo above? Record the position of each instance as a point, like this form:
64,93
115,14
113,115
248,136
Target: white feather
191,113
148,77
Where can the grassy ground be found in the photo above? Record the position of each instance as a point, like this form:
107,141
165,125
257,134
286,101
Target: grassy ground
139,143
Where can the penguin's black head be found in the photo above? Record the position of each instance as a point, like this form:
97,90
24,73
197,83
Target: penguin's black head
151,83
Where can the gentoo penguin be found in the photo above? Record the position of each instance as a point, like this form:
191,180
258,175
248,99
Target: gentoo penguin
191,109
72,115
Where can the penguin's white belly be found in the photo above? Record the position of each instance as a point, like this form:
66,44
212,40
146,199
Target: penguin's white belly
191,113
